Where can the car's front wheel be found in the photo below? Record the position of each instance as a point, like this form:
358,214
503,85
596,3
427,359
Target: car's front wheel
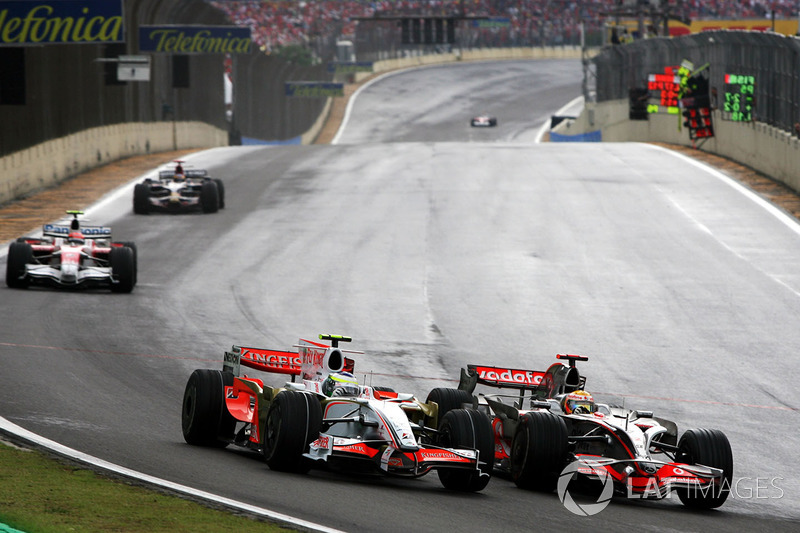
123,268
472,430
294,421
209,197
141,198
707,447
19,255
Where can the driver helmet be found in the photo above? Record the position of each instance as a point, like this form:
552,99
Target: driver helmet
578,402
179,172
75,237
340,384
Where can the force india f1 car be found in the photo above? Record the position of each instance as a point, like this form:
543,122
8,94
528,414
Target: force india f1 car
72,256
328,419
179,190
558,425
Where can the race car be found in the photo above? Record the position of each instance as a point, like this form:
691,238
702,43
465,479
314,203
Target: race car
70,255
179,190
483,121
552,423
329,420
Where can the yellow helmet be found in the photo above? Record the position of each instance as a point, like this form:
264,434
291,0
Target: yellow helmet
577,402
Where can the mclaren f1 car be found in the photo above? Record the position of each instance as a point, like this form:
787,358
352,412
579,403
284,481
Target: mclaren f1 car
179,190
549,423
329,419
72,255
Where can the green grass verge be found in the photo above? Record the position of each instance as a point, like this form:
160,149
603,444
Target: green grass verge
39,494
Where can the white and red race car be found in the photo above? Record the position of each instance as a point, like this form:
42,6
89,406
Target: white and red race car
552,424
179,190
72,256
328,419
483,121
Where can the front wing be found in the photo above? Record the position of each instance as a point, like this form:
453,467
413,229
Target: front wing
392,460
649,479
86,276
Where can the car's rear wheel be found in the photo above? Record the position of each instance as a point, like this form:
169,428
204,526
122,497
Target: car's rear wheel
19,255
209,197
221,192
123,268
205,419
141,198
538,451
707,447
472,430
447,399
294,420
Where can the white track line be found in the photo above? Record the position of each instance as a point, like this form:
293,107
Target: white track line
22,433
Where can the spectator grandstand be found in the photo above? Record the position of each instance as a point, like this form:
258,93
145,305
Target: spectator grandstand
530,22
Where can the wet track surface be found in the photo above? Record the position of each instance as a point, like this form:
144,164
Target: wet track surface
435,245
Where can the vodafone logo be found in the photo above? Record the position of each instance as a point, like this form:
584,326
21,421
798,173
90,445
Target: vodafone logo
509,375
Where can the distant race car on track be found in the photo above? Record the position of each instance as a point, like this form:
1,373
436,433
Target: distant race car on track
71,255
179,190
483,121
558,425
328,419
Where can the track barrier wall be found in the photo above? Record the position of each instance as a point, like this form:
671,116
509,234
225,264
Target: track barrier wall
769,144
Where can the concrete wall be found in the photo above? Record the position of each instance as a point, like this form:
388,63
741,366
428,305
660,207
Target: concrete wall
51,162
769,150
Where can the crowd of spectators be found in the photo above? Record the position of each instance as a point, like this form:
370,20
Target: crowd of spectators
531,22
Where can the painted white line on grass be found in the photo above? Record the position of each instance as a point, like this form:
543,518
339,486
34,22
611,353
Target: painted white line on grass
22,433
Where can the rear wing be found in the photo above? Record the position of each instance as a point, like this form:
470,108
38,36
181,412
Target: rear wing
501,377
313,361
89,232
275,361
190,173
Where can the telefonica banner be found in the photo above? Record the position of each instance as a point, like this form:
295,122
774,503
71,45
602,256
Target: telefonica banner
313,89
195,39
35,22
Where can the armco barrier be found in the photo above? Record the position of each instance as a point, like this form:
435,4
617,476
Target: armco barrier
767,149
51,162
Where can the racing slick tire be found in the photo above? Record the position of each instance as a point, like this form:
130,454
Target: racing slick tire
467,429
221,191
538,451
141,198
707,447
294,420
19,255
132,246
447,400
123,268
205,419
209,197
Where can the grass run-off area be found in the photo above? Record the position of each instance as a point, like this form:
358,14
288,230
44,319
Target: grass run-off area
41,494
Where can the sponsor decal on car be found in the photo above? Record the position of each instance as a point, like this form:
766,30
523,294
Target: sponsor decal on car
509,376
